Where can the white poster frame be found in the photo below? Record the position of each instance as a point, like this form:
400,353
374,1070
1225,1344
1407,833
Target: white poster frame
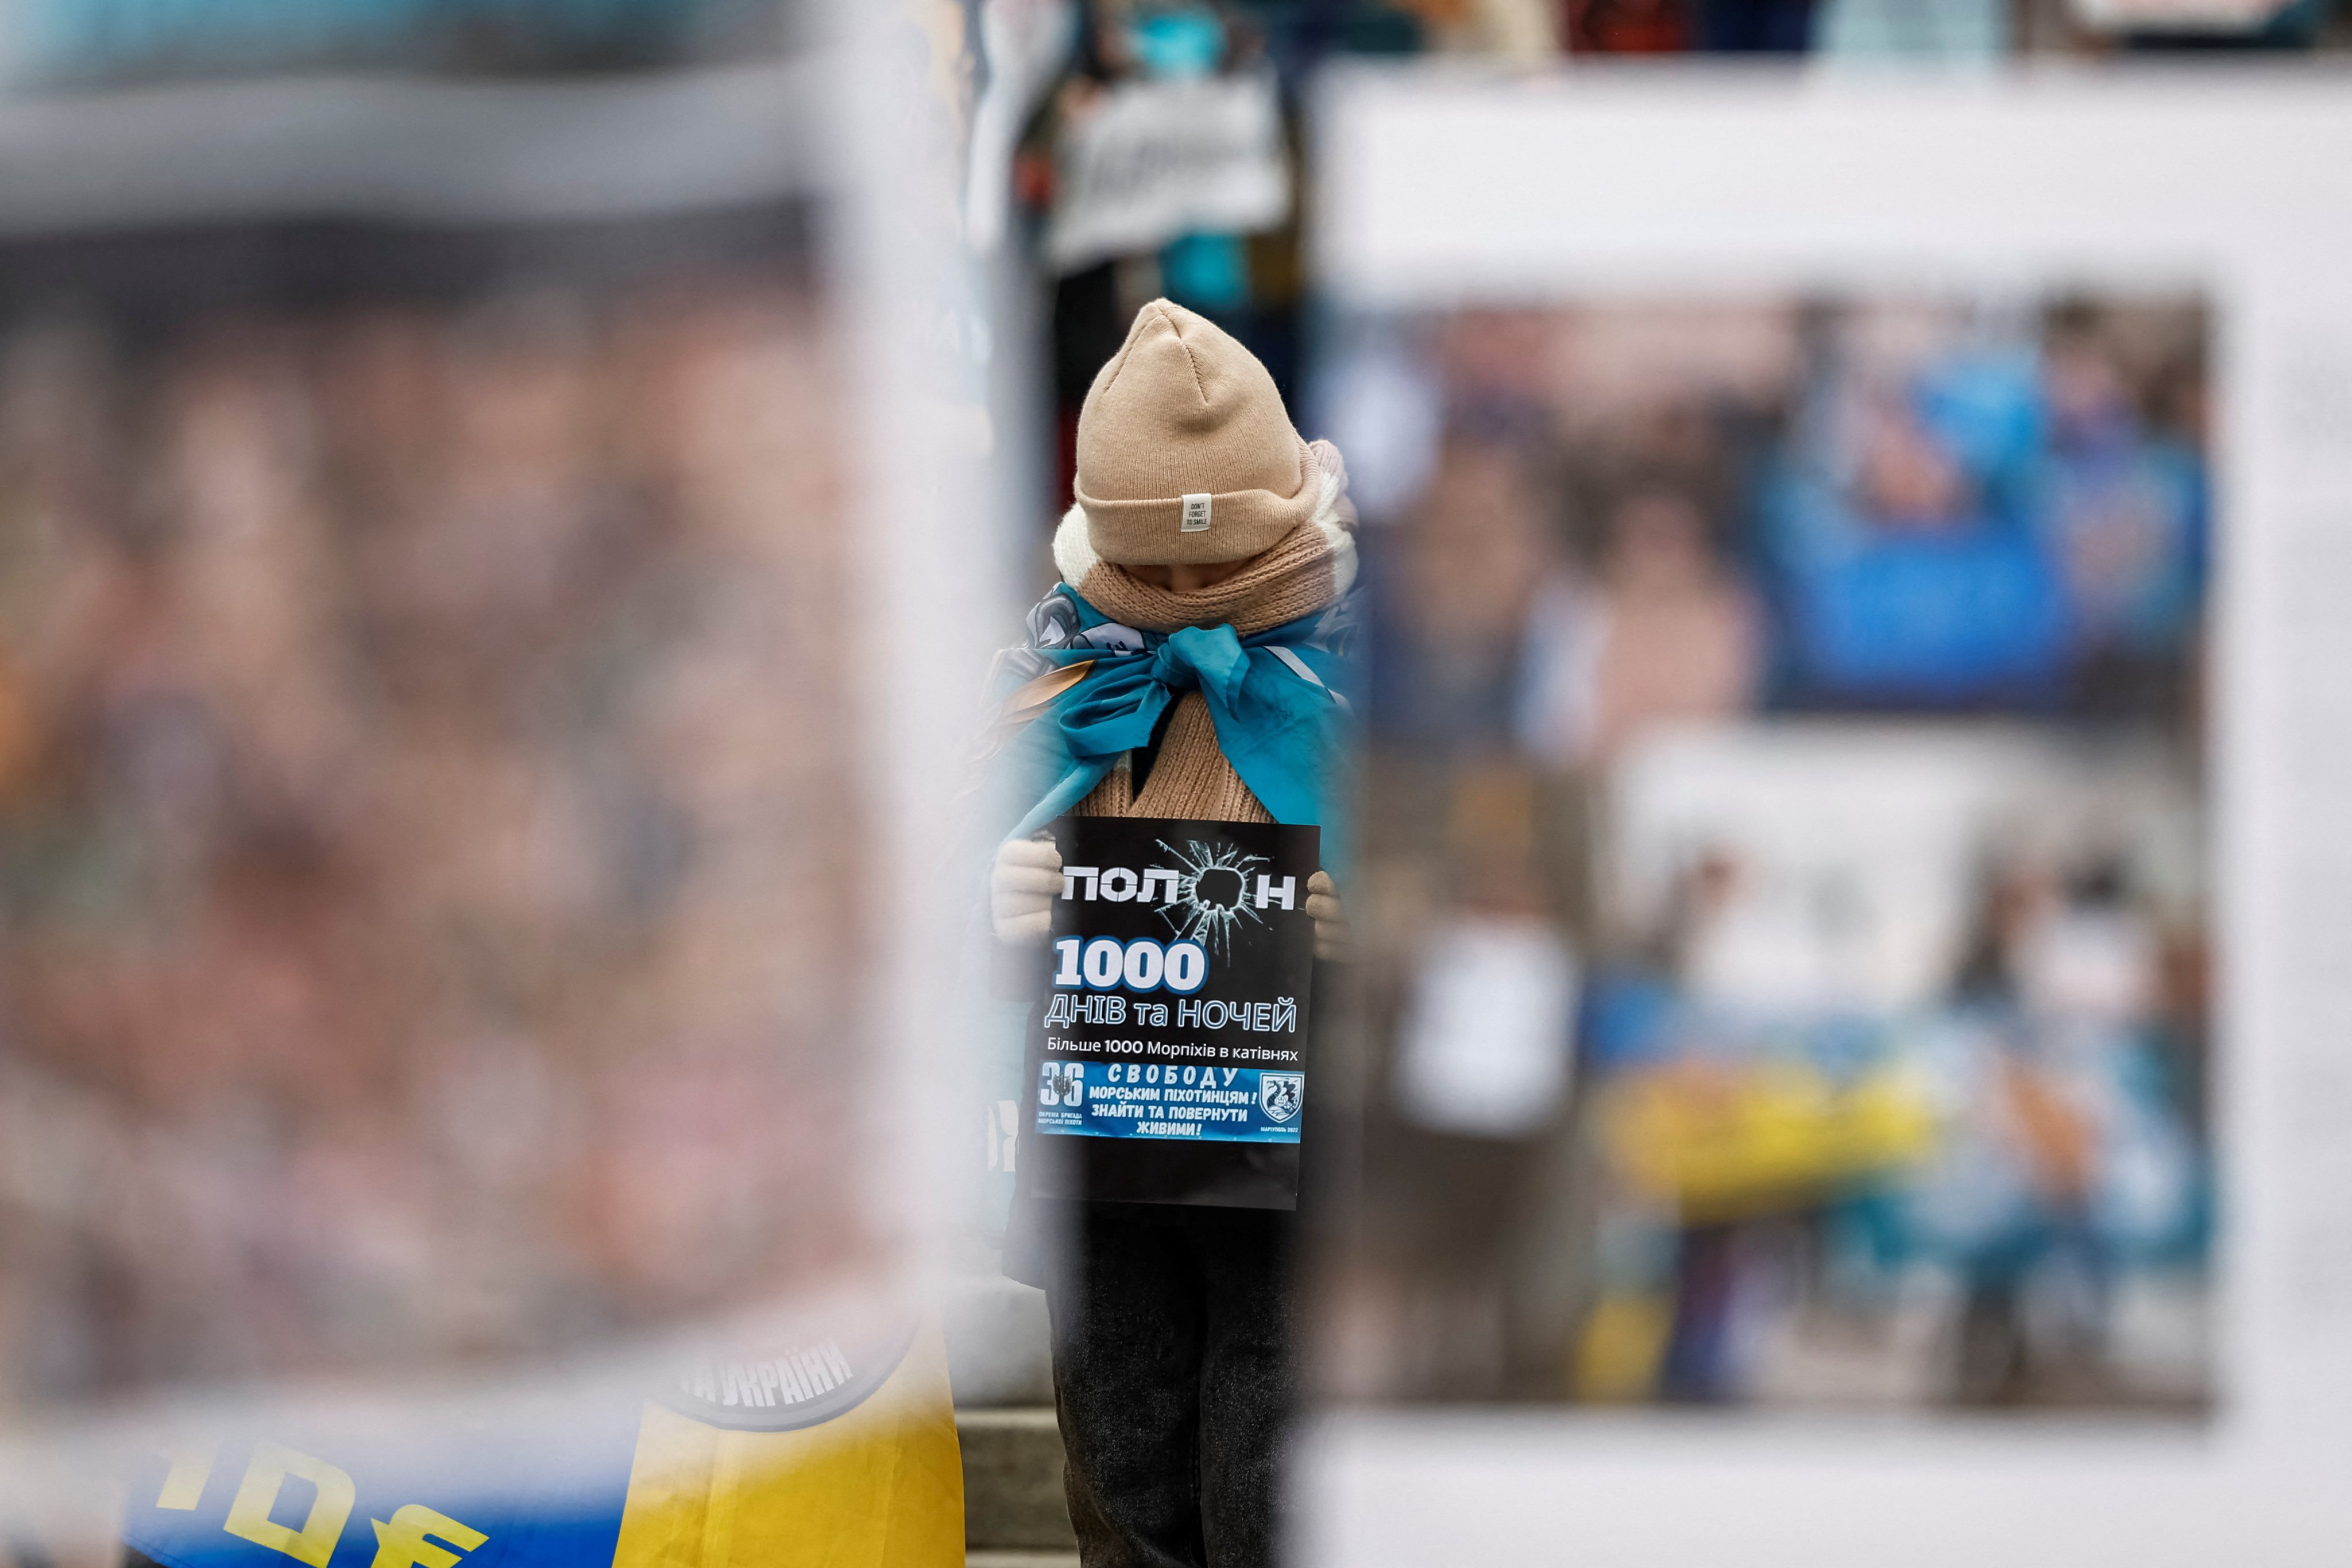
1439,187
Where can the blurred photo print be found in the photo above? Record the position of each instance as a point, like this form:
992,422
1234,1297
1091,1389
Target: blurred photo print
1786,897
437,1063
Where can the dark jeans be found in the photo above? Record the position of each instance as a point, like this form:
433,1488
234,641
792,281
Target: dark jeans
1174,1378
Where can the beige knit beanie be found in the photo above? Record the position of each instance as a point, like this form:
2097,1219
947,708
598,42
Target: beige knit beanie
1185,453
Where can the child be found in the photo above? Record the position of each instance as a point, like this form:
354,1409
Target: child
1206,568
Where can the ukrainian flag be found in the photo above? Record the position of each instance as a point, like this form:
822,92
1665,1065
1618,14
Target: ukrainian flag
828,1451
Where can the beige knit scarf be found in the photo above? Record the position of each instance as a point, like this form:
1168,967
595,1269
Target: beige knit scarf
1311,567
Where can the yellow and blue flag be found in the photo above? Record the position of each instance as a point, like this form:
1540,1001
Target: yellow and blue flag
830,1450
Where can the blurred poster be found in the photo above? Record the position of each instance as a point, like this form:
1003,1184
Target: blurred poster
1788,714
1147,161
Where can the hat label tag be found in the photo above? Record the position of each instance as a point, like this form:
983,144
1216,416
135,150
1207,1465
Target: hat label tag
1196,515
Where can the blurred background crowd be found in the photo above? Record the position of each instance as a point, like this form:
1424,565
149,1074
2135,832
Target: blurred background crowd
429,923
1073,92
1784,854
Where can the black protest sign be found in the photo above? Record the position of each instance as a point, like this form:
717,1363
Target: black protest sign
1168,1051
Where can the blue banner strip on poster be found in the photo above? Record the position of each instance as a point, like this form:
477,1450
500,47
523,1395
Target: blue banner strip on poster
1141,1099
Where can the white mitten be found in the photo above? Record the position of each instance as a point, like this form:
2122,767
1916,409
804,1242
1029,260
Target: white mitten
1332,938
1022,886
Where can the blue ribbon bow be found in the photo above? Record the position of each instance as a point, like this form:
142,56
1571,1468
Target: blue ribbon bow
1275,697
